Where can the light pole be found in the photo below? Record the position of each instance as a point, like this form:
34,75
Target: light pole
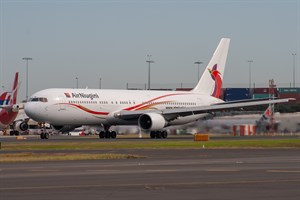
294,55
149,61
77,82
250,61
198,63
26,58
100,83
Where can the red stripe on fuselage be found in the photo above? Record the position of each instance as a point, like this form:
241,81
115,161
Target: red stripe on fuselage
142,105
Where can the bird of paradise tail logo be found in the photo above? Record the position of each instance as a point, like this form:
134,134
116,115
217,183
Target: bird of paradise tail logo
216,76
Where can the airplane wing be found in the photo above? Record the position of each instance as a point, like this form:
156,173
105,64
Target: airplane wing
170,114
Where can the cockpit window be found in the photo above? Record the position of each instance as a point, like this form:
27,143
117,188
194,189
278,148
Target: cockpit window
43,99
38,99
33,99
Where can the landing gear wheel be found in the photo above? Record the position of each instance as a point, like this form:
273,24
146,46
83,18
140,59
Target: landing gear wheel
158,134
164,134
152,134
107,134
46,136
101,134
113,134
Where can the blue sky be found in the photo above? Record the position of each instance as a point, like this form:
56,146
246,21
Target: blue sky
111,39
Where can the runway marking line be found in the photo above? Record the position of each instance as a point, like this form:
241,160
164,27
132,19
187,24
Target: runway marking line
160,170
283,171
152,185
43,170
222,170
99,170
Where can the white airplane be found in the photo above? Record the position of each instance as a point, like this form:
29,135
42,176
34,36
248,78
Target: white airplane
66,109
9,108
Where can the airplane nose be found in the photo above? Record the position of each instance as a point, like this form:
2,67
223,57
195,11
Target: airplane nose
32,111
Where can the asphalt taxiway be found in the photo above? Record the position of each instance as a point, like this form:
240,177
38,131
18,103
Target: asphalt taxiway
134,137
162,174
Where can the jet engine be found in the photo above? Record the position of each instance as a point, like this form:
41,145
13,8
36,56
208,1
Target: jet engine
152,122
15,108
64,128
21,126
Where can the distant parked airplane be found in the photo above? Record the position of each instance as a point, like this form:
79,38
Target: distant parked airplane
9,108
225,123
152,111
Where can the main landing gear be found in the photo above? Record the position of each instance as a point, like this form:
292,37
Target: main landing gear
108,134
112,134
158,134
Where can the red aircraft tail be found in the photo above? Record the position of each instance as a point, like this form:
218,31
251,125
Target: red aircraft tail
15,90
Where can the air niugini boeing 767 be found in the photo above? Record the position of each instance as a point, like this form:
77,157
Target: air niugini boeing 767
66,108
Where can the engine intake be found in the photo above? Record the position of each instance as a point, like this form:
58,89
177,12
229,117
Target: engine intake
152,122
15,108
21,126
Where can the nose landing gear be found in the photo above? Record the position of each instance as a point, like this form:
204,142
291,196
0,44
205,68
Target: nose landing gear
44,135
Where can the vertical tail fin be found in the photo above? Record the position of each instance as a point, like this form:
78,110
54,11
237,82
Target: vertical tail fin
15,89
211,80
267,114
3,99
10,97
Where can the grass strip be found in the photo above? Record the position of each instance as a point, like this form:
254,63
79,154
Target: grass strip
30,157
150,144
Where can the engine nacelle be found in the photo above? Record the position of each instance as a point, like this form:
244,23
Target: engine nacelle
21,126
152,122
63,128
15,108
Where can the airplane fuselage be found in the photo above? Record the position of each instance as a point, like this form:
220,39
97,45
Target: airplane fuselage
6,118
96,107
